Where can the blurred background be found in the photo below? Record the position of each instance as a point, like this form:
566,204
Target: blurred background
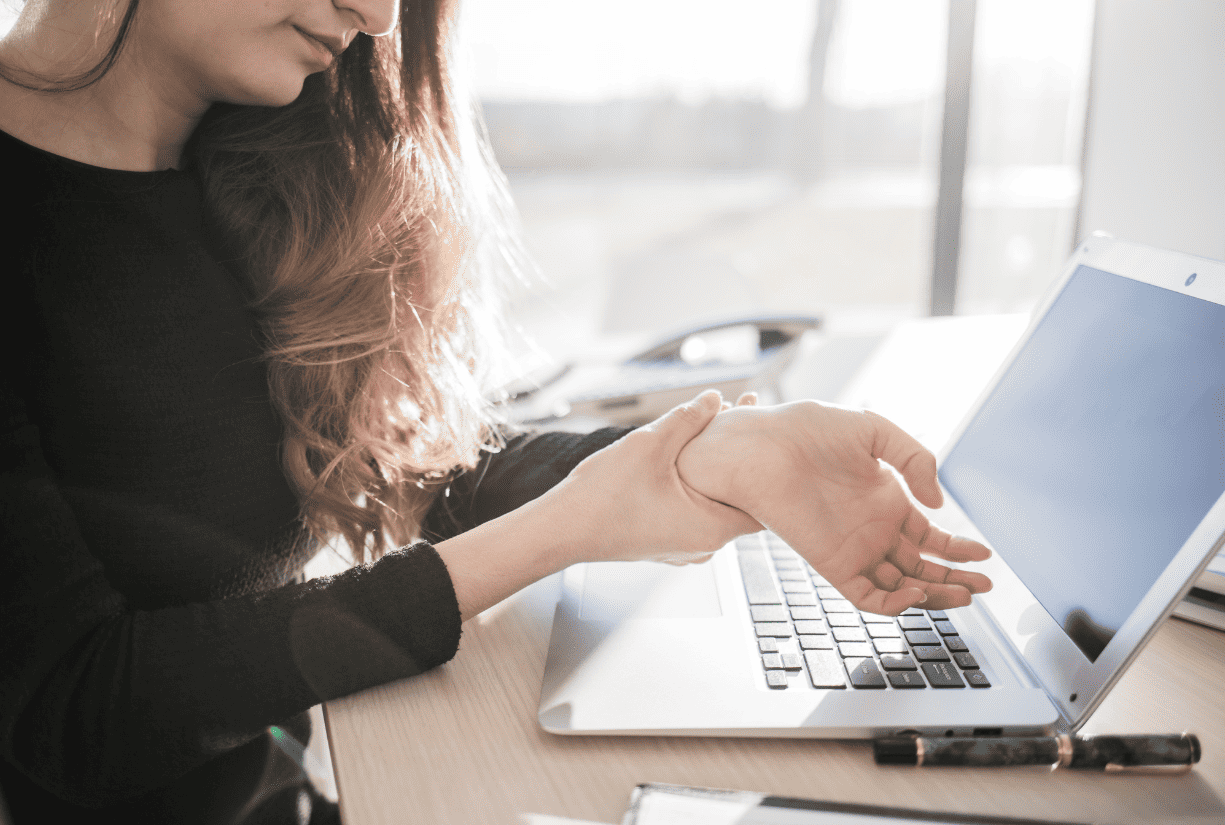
682,161
677,162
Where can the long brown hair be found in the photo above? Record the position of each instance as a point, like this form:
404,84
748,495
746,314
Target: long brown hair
371,223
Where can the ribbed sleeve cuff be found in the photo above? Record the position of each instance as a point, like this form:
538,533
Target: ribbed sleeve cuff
395,618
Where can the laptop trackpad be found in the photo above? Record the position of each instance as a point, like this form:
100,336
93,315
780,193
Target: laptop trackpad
617,590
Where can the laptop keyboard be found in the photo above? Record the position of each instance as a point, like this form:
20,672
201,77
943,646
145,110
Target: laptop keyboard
805,627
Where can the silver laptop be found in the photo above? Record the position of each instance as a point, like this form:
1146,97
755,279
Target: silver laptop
1093,464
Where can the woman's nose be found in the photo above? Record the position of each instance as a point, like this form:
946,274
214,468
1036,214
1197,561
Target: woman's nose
375,17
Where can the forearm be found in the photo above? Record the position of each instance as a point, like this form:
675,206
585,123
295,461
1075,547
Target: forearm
620,503
498,558
144,696
529,465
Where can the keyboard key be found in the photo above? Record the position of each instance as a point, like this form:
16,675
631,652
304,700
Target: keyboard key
945,628
826,592
753,541
797,587
802,599
815,627
825,669
861,650
780,629
792,562
965,661
772,661
942,675
937,614
897,661
889,645
882,631
768,645
914,611
837,606
792,661
922,637
909,622
776,679
956,643
806,613
930,653
758,583
849,634
977,679
842,620
817,578
796,575
903,679
768,613
865,674
876,618
816,643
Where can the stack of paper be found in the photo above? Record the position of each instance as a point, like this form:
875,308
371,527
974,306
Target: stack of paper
1206,601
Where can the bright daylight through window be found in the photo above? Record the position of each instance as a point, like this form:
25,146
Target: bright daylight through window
681,161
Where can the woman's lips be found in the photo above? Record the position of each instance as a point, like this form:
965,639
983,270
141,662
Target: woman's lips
327,48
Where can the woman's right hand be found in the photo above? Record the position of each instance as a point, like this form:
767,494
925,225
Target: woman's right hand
628,502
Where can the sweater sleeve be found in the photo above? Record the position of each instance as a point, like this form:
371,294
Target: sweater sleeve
528,466
100,701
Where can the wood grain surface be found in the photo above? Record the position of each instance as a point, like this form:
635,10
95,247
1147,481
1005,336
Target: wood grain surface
461,745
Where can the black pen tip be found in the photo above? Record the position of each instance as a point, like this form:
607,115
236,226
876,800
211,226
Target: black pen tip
895,751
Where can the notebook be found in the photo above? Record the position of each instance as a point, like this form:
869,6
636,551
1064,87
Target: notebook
1093,463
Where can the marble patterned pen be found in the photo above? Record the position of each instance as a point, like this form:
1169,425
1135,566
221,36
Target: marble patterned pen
1164,753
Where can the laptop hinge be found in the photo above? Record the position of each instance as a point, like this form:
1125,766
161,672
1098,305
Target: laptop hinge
1016,661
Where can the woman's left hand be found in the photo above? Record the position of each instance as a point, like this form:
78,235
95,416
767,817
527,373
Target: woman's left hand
812,473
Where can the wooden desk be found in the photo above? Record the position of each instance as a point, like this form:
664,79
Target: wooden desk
461,745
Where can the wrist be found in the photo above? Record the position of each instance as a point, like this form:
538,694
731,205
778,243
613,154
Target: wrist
720,462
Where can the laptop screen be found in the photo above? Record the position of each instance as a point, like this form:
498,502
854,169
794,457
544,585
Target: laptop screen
1100,450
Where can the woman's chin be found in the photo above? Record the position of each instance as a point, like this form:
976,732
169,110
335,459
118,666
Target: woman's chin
280,93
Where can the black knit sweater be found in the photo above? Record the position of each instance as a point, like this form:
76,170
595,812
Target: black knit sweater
152,622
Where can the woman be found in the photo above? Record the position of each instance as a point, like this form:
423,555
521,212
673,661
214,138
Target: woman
249,312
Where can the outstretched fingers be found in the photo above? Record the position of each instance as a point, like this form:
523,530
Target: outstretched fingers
864,595
940,595
930,539
907,559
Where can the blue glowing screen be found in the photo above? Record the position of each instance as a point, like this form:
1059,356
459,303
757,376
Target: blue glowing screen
1101,449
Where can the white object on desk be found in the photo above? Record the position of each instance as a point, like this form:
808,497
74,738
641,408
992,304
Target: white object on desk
929,358
1082,460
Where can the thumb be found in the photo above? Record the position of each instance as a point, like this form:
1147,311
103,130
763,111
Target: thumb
910,458
680,425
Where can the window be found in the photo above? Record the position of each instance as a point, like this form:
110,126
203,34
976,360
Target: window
680,161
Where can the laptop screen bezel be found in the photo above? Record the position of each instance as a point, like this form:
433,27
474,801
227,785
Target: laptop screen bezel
1075,684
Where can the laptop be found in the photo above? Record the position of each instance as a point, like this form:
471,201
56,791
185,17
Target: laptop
1093,463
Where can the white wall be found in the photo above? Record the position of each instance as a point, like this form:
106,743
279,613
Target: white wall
1155,147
